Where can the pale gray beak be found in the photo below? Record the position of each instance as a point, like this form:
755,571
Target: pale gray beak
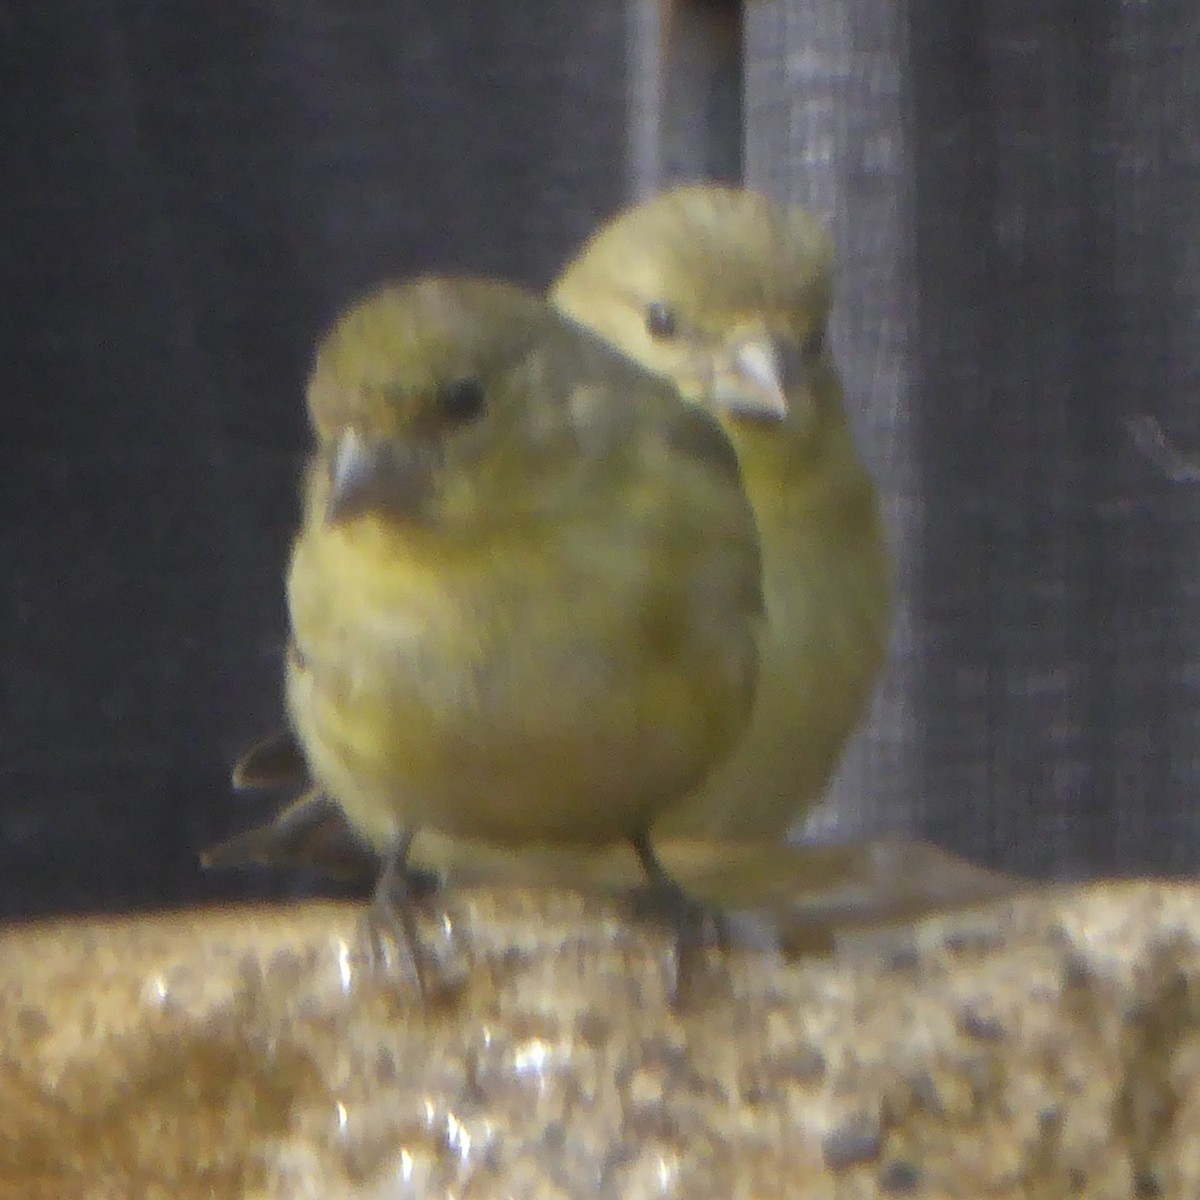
749,381
352,476
364,476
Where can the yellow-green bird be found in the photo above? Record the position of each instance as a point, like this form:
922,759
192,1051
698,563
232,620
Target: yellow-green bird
726,294
526,591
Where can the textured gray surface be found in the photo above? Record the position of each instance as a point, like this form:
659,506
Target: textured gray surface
1014,195
1044,1046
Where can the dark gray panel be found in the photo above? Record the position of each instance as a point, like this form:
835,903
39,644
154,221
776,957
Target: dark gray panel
190,193
1013,189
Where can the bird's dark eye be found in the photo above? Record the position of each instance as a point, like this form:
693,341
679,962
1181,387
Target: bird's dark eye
660,320
815,343
463,400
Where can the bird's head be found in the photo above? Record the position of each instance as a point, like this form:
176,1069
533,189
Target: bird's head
722,291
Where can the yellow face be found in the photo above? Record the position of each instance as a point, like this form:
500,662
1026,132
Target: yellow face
432,400
719,290
467,405
393,365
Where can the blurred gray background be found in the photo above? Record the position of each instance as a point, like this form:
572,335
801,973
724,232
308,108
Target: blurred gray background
191,191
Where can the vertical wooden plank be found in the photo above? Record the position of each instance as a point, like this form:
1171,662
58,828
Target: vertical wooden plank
646,70
686,87
826,124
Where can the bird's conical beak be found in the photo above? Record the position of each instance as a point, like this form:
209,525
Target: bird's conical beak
374,476
748,378
353,472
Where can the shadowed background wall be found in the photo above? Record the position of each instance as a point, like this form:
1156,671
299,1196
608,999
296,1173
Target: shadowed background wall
190,194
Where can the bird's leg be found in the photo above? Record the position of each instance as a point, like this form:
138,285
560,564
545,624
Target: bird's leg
393,908
666,899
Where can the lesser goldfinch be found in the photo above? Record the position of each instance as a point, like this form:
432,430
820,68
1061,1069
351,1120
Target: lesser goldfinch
525,594
726,294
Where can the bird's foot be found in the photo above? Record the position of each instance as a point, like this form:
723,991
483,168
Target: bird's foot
696,925
391,924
